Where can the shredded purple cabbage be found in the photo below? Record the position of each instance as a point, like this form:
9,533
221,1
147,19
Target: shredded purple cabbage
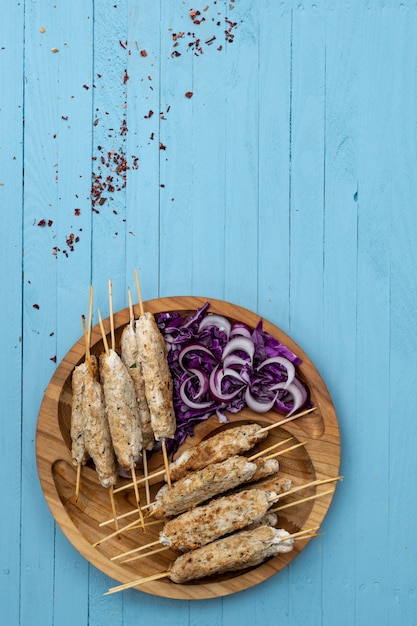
181,332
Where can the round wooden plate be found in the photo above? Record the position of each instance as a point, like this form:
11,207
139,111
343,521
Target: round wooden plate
319,458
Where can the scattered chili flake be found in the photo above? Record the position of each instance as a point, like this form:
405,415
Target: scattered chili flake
77,212
36,306
86,87
53,358
188,94
143,53
125,77
42,223
50,222
54,50
64,117
161,146
149,115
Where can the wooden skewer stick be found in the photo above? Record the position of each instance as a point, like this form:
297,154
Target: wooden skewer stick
139,292
280,452
135,486
286,506
116,532
135,550
77,483
166,463
103,334
113,343
140,480
313,483
113,507
273,447
143,556
286,420
139,581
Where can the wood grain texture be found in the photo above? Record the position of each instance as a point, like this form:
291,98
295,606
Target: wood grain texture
292,169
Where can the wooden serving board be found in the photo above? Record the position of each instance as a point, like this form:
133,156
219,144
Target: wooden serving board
318,459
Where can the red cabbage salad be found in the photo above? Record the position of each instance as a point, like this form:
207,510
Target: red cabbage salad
218,366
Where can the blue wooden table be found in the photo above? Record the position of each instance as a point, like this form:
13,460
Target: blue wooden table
262,153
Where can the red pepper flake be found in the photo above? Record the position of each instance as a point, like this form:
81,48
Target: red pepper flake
41,223
188,94
175,53
53,358
125,77
64,117
36,306
147,117
86,87
161,146
143,53
77,212
50,222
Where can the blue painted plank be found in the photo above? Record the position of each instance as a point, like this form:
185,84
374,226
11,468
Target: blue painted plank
241,175
338,354
306,243
11,189
274,168
143,121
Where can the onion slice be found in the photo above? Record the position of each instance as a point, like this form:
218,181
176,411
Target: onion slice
286,363
222,323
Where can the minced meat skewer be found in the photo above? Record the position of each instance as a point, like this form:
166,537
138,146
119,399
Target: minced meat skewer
157,377
203,524
122,411
202,485
239,551
217,448
98,440
247,548
130,357
79,453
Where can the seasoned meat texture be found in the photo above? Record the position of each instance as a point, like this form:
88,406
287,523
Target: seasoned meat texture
121,409
264,468
98,441
279,485
235,552
219,517
217,448
202,485
78,451
269,519
157,377
130,357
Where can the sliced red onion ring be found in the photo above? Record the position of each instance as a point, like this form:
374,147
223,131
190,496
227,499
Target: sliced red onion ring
191,403
202,380
195,347
222,323
257,405
216,378
295,391
234,359
239,344
240,329
286,363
